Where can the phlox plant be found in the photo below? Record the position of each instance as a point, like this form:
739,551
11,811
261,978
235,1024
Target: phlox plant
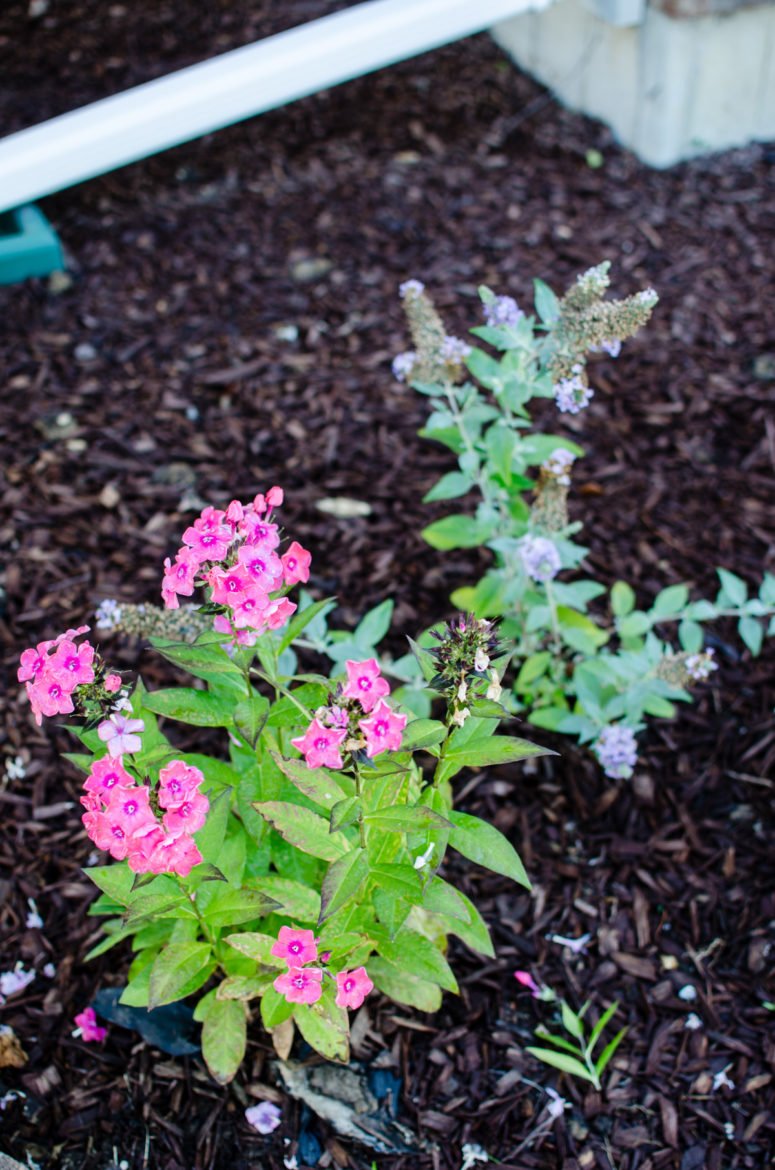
296,868
588,661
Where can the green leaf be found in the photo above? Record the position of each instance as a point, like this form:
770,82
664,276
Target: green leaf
402,987
345,812
114,880
550,718
413,953
199,708
303,829
406,819
403,881
498,749
179,970
256,946
457,532
622,599
460,916
605,1019
449,487
532,668
669,602
571,1021
752,633
202,659
320,785
224,1038
211,836
563,1062
483,843
690,636
734,587
633,625
609,1050
275,1008
546,303
325,1027
296,901
374,625
250,717
579,632
301,619
221,905
344,879
422,733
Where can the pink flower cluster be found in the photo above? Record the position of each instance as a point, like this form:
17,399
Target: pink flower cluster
120,816
341,726
53,670
302,984
234,552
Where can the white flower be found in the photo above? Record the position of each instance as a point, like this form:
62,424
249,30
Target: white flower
688,993
692,1022
472,1154
14,768
722,1081
460,716
495,689
557,1104
576,945
34,920
481,660
421,861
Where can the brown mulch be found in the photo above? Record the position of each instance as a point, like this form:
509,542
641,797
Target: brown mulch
168,372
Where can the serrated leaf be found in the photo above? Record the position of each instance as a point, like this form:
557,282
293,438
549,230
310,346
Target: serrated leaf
483,843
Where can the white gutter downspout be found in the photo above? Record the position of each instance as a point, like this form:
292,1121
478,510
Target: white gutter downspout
236,85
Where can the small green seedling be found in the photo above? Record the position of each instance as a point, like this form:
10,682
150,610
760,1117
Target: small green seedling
576,1056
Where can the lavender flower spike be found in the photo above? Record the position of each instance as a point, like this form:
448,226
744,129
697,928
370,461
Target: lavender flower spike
617,751
540,557
503,312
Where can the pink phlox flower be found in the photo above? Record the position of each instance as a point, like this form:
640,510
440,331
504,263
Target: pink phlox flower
88,1028
12,982
112,683
188,816
274,497
48,696
33,663
278,612
178,782
296,562
90,802
352,987
320,745
264,1117
234,513
131,808
209,544
119,732
72,665
295,947
365,683
300,984
382,729
249,612
71,635
165,854
210,519
525,979
106,774
229,586
259,504
262,565
180,577
107,833
259,532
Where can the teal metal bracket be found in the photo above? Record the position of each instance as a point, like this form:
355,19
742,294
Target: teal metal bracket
29,246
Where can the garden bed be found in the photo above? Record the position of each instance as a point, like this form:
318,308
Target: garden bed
229,324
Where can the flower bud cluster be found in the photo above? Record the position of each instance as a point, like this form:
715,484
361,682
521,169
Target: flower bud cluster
437,356
682,669
502,313
340,727
540,557
573,394
234,552
304,984
463,661
62,676
183,624
550,506
123,816
617,751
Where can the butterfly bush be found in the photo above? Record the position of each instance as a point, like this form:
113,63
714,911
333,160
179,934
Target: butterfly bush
297,869
588,661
